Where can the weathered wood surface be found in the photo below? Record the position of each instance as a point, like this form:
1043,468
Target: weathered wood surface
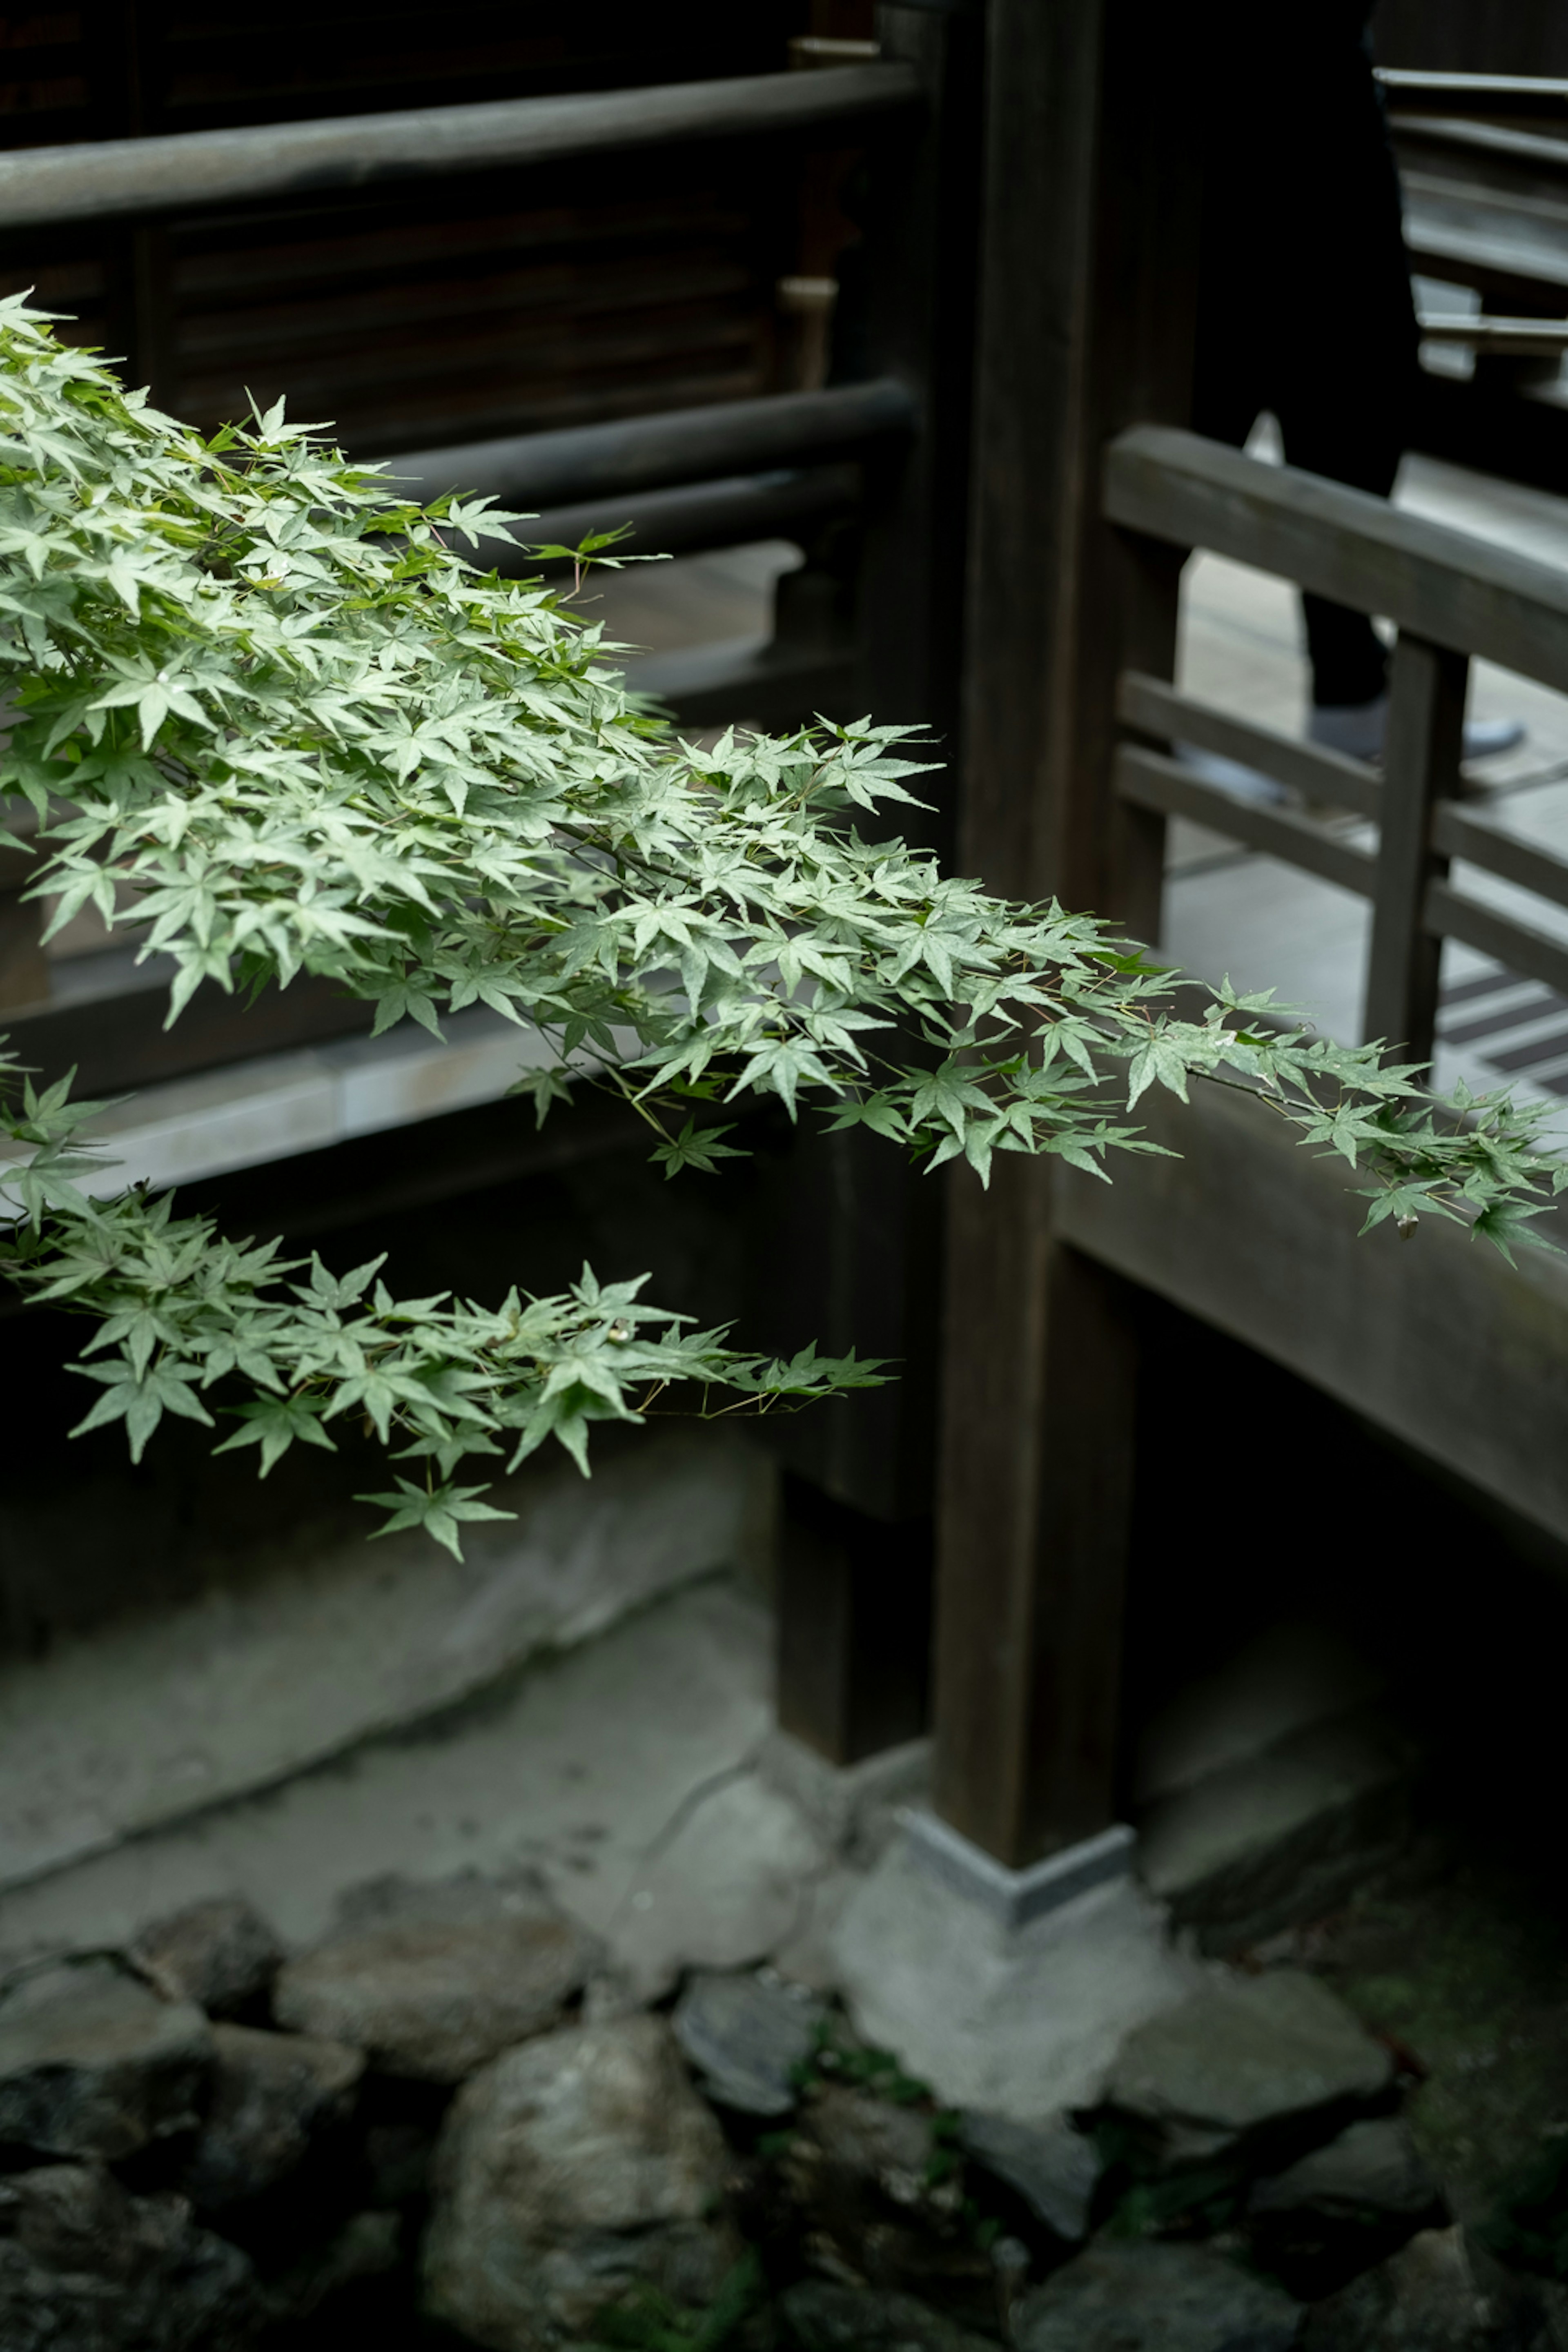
188,171
854,1626
1085,324
1534,954
1035,1511
787,504
671,446
1153,707
1461,833
771,685
1437,1341
1427,692
1510,338
1444,585
1494,95
115,1040
860,1235
1152,781
1527,148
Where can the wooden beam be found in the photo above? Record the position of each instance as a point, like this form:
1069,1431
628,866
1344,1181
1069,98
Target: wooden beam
854,1626
190,171
1085,324
1152,707
672,446
855,1563
1034,1523
1150,780
1435,1340
114,1038
1444,585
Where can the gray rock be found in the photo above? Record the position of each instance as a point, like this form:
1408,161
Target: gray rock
1342,2208
1441,2293
434,1981
220,1955
745,2035
94,2063
1054,2168
1146,2297
827,2317
569,2171
1371,2167
1242,2054
86,2268
270,2094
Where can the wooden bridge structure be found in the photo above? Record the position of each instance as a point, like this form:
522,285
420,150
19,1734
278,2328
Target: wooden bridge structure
995,510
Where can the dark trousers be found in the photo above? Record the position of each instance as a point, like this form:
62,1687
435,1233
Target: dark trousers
1304,301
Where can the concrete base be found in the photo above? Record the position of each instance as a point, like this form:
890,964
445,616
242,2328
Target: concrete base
620,1771
303,1649
1021,2020
1016,1897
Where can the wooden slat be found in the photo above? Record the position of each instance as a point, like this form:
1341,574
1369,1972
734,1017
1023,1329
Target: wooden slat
1490,336
1410,89
189,171
116,1039
1527,147
1460,833
706,686
1152,781
1446,586
782,505
1427,686
1504,267
1155,708
641,453
1449,914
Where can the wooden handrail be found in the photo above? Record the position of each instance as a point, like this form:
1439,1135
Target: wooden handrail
675,445
1441,584
191,171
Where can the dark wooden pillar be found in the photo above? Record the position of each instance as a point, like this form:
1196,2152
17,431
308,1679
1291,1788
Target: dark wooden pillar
856,1545
1088,243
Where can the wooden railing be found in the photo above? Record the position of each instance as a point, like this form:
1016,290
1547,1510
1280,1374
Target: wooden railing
1451,597
698,477
192,171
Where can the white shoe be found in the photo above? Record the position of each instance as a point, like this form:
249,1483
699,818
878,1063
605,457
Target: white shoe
1356,730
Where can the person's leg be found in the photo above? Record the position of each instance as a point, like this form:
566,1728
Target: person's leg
1349,374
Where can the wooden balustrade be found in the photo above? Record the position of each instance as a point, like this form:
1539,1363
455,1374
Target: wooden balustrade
1450,596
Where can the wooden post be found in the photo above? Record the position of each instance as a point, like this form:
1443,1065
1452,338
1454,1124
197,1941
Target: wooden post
1089,247
1035,1517
854,1630
1420,766
23,965
855,1551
